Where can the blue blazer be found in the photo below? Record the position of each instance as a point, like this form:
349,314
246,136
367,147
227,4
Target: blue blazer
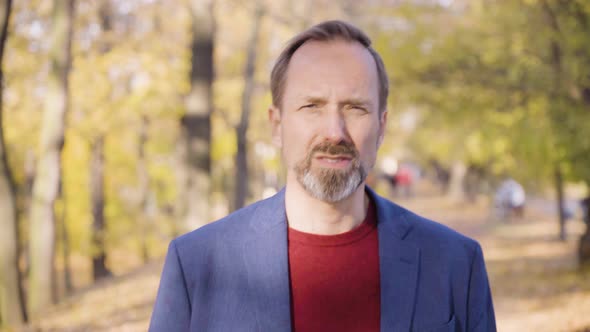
233,275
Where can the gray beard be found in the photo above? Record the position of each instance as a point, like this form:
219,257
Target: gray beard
330,185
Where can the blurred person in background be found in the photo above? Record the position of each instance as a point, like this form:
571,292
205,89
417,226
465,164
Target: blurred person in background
404,178
326,253
510,200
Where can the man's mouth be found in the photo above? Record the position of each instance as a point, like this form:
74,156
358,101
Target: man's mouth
337,161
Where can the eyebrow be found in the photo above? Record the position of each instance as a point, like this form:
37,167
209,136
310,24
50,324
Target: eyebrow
356,101
315,100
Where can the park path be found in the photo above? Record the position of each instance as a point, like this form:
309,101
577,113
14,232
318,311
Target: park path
535,281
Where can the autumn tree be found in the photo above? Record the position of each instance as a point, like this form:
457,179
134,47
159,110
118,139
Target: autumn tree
41,290
498,85
12,310
97,164
241,167
194,145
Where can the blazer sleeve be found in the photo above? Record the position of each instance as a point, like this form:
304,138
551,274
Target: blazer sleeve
480,309
172,308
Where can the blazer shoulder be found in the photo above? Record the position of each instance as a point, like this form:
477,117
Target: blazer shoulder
235,224
408,225
413,227
433,235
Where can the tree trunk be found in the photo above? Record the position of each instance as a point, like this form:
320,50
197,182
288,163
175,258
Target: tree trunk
97,198
48,170
144,190
555,94
442,176
560,202
584,246
12,311
194,145
65,241
241,178
456,189
99,268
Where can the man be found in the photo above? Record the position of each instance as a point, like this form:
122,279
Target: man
325,253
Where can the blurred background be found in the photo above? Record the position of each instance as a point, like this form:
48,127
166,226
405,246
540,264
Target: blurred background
126,123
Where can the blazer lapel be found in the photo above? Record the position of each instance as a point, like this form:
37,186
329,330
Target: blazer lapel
399,263
266,258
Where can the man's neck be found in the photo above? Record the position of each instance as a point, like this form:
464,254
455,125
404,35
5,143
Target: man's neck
311,215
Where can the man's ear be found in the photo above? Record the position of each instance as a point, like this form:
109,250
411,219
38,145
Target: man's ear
274,117
382,124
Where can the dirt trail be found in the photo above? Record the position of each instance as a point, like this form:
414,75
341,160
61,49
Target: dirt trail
535,280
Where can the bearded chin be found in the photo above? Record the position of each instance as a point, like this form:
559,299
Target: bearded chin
331,185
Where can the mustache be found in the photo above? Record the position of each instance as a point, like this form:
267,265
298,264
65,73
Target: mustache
340,148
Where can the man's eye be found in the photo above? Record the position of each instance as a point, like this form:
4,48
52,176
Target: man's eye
357,108
309,107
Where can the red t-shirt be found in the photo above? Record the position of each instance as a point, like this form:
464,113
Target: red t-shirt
335,279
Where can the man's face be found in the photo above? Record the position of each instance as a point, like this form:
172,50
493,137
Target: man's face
329,126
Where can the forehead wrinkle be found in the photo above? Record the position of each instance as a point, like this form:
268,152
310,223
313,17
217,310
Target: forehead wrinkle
314,66
319,98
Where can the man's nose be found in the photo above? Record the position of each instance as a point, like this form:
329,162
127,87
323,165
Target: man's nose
335,126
